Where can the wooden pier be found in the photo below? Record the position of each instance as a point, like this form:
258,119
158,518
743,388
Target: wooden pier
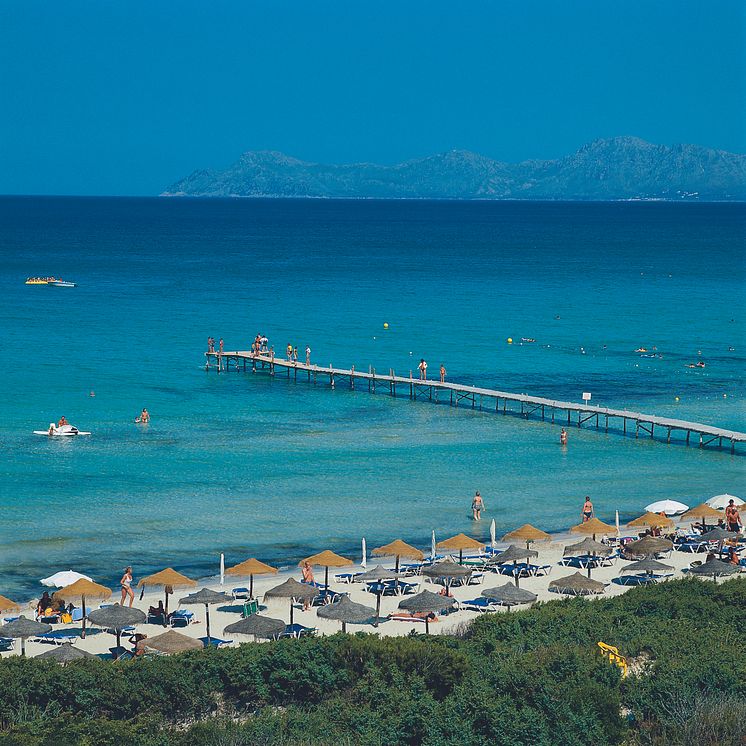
458,395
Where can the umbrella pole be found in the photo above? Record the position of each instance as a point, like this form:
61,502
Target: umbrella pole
119,637
396,568
207,617
251,587
23,647
515,572
461,556
165,607
378,608
344,627
326,578
82,633
291,612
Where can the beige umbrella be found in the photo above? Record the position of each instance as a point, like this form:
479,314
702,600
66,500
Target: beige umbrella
593,527
206,597
648,546
426,602
398,549
82,589
168,579
65,653
7,605
347,612
702,512
293,590
327,559
527,533
576,585
256,625
653,520
171,642
460,542
590,547
116,617
22,628
251,567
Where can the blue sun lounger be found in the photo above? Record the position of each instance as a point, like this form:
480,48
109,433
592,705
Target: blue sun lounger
477,604
215,642
58,637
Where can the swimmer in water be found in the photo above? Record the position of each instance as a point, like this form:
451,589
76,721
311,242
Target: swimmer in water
587,512
563,437
144,417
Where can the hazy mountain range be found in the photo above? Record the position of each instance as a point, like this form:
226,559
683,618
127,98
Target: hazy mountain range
620,168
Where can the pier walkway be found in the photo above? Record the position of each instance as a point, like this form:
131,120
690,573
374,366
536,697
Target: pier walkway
456,394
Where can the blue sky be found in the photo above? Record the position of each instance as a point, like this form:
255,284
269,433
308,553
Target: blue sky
108,97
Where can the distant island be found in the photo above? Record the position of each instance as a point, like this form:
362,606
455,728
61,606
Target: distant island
620,168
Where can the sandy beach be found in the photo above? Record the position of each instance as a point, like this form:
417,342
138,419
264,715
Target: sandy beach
221,615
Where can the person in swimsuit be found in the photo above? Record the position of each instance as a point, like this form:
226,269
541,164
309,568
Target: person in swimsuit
289,352
423,369
587,509
563,437
307,572
144,417
62,421
295,354
220,345
733,518
126,584
308,355
477,506
442,373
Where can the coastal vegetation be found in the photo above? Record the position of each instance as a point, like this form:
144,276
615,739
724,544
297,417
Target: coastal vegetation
532,677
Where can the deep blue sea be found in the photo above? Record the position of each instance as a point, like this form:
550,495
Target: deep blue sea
251,466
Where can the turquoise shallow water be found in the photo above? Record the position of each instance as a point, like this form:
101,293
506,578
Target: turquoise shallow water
252,466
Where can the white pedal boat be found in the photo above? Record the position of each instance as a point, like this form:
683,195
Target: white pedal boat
64,430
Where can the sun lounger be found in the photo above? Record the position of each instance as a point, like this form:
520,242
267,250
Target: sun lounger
406,616
240,593
155,619
477,604
346,577
215,642
57,637
298,630
693,546
327,597
6,644
250,607
539,571
181,618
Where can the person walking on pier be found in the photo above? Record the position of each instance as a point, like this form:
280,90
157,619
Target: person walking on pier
587,512
477,506
442,373
423,369
308,355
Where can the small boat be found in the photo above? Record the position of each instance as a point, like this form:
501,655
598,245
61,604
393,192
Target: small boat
62,431
62,284
50,281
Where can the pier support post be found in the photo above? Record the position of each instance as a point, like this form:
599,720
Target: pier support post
668,437
688,435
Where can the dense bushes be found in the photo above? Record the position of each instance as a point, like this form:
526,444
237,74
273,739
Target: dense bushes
533,677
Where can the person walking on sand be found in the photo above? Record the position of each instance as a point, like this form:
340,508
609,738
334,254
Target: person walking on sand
126,584
563,437
477,506
423,369
442,373
733,518
587,509
308,355
307,572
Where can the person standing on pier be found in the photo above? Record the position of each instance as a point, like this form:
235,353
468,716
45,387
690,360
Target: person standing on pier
308,355
423,369
587,512
210,344
220,345
477,506
295,355
289,352
442,373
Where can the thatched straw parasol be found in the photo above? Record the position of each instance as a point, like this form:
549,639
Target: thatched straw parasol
513,554
249,568
293,590
347,612
647,566
64,654
718,534
576,585
398,549
460,542
116,617
7,605
593,527
648,546
714,567
82,589
587,546
653,520
527,533
509,595
426,602
375,575
206,597
701,511
168,579
171,642
256,625
327,559
447,570
23,628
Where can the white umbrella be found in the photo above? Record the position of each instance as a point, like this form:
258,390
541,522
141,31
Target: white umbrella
493,541
63,578
364,560
669,507
432,547
222,569
721,501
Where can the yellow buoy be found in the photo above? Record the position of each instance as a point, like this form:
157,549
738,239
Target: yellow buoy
510,340
385,324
